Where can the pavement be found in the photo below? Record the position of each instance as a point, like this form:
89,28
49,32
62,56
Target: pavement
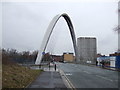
49,78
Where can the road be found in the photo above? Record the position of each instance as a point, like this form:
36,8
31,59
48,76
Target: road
82,76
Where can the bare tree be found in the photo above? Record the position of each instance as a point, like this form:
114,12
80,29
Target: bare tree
117,29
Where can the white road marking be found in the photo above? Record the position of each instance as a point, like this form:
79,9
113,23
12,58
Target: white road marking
87,72
68,74
68,81
104,78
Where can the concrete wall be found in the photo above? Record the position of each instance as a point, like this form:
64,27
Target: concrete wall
87,49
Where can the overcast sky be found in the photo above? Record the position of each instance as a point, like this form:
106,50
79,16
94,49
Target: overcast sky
24,25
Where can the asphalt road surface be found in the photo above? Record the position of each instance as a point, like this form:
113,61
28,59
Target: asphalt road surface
82,76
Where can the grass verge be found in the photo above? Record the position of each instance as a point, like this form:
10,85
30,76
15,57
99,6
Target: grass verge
16,76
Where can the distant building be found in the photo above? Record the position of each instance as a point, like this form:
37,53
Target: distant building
68,57
100,55
109,61
115,54
57,58
87,52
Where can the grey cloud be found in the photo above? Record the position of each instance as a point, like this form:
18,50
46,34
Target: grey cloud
24,25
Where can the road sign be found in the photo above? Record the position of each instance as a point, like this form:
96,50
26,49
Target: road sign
43,53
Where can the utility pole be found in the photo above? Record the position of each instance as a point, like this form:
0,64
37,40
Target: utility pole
118,29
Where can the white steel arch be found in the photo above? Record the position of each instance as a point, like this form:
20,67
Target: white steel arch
49,32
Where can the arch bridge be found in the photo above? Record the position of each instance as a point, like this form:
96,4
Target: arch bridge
49,32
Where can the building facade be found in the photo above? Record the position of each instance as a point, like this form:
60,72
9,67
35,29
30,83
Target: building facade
68,57
87,52
109,61
57,58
